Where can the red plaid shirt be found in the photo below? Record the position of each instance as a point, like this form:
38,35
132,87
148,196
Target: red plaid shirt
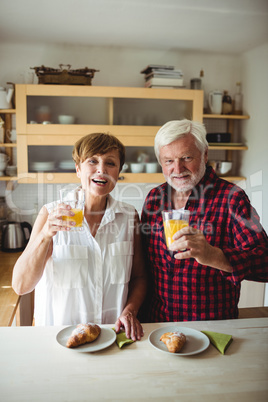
184,290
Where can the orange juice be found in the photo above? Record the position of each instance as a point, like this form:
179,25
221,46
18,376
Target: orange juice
78,217
171,227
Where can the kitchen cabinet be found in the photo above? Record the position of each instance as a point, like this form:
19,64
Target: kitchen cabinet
7,145
104,114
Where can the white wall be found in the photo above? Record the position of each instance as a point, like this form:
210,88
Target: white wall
254,163
118,66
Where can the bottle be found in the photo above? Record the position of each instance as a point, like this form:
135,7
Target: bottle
238,99
205,109
226,103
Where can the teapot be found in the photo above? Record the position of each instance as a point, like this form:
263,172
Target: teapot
5,98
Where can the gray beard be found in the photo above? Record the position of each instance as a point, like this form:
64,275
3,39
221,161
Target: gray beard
192,181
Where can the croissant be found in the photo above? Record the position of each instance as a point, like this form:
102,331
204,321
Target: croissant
83,333
174,341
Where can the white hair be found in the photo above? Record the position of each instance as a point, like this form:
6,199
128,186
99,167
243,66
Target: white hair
175,129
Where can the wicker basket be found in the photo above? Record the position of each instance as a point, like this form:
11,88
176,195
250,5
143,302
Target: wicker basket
61,76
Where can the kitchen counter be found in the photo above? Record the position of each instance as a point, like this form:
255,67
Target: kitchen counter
11,304
35,367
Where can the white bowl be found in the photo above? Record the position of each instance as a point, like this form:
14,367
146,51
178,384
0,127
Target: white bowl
151,167
224,167
11,170
136,167
66,119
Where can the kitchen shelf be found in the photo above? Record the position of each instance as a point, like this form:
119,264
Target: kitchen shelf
131,135
6,114
8,145
7,111
47,178
228,147
8,178
226,116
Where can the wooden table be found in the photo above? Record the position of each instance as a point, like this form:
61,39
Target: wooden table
9,300
35,367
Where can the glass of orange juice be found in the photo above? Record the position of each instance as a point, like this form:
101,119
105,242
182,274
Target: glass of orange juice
174,220
75,197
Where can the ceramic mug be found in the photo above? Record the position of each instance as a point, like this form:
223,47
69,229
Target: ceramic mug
4,157
136,167
215,101
224,167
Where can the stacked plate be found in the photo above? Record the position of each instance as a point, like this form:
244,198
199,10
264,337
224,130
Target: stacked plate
43,166
67,165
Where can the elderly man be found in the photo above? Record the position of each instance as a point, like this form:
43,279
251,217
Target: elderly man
223,244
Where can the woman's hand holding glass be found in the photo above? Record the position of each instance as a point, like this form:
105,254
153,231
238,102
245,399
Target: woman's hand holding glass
55,221
131,325
75,199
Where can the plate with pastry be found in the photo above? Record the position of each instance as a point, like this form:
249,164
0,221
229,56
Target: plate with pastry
86,337
178,341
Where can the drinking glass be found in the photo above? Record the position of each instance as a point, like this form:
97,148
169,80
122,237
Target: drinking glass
76,199
174,220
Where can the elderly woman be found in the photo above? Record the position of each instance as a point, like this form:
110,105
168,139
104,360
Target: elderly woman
96,274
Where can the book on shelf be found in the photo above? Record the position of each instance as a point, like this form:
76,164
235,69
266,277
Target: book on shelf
173,82
167,74
167,86
156,67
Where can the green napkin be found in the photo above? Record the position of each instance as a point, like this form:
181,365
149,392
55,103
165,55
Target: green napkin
122,340
220,341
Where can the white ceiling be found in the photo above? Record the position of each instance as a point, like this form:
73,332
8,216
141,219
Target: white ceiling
225,26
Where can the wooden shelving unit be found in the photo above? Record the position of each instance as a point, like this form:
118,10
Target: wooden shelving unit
131,135
6,115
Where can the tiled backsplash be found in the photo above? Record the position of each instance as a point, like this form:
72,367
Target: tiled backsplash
26,200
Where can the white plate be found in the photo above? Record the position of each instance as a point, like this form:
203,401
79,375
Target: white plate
196,341
42,166
106,338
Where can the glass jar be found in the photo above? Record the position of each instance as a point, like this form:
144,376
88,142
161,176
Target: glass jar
238,100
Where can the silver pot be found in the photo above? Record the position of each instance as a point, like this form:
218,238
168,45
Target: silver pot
14,236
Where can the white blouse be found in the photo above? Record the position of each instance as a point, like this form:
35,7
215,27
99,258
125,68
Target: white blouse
86,278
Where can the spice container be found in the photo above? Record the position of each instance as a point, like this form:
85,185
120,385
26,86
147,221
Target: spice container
226,103
196,83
